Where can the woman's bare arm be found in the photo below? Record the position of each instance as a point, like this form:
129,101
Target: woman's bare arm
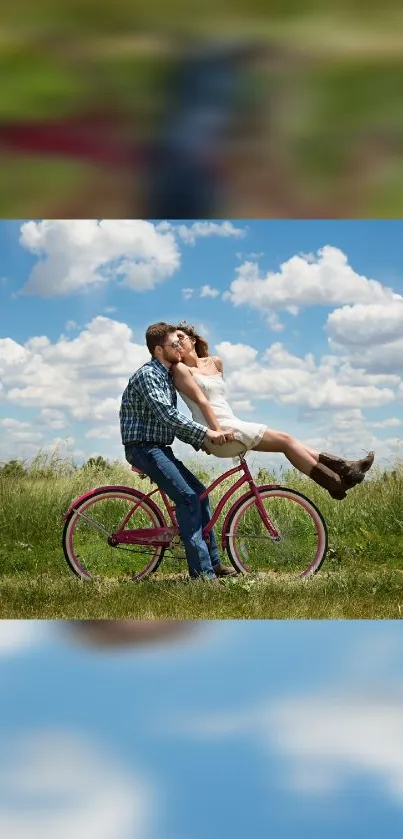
218,363
185,382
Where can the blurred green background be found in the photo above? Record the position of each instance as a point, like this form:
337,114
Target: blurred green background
323,137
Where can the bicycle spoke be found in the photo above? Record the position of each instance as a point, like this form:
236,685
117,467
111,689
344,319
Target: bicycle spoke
94,524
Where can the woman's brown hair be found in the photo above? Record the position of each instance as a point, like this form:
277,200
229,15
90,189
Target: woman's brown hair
201,345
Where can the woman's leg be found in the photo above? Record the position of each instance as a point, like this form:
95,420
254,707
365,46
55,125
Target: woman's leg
309,462
348,469
339,464
299,455
312,452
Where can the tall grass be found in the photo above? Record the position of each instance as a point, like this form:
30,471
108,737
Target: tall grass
365,542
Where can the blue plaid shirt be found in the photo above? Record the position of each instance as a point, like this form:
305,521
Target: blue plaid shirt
149,413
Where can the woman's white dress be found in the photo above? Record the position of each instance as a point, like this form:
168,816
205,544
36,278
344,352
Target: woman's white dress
248,433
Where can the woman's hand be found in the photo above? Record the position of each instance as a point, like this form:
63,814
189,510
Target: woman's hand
220,437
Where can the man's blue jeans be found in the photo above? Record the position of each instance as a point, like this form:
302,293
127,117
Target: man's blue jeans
184,489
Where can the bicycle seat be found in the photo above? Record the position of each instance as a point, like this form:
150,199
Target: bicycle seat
234,448
139,472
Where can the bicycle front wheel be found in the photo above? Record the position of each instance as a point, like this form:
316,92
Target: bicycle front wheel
299,546
97,517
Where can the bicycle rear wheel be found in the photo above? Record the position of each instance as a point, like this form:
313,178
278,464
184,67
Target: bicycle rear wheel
302,534
94,519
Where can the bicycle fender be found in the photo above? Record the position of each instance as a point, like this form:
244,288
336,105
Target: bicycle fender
132,491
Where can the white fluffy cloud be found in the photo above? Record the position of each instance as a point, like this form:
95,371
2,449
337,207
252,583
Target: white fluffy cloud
208,291
78,374
23,440
289,379
236,355
300,388
20,432
391,422
54,418
102,432
204,291
326,738
348,432
366,325
104,802
387,358
187,293
79,255
203,229
18,635
274,322
278,356
307,280
80,378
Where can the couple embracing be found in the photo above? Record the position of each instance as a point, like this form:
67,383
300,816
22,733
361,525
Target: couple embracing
150,421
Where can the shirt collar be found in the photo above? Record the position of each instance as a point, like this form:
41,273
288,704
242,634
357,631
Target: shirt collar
161,367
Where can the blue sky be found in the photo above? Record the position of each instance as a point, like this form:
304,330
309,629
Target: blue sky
307,316
292,727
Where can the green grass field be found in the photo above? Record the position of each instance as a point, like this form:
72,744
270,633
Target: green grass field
362,576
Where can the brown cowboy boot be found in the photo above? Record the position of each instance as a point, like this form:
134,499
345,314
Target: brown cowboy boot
351,471
328,480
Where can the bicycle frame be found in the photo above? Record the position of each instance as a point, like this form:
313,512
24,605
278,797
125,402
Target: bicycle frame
164,535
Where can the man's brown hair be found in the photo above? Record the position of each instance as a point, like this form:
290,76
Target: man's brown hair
156,335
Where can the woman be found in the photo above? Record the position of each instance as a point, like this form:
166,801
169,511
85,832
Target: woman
199,380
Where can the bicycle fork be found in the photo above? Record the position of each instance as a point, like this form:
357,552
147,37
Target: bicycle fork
273,533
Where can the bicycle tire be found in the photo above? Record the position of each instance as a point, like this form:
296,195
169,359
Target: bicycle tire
247,501
87,501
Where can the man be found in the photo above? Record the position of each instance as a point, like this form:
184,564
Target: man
150,421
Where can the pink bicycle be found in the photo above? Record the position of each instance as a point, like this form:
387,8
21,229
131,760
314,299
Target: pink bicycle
118,532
